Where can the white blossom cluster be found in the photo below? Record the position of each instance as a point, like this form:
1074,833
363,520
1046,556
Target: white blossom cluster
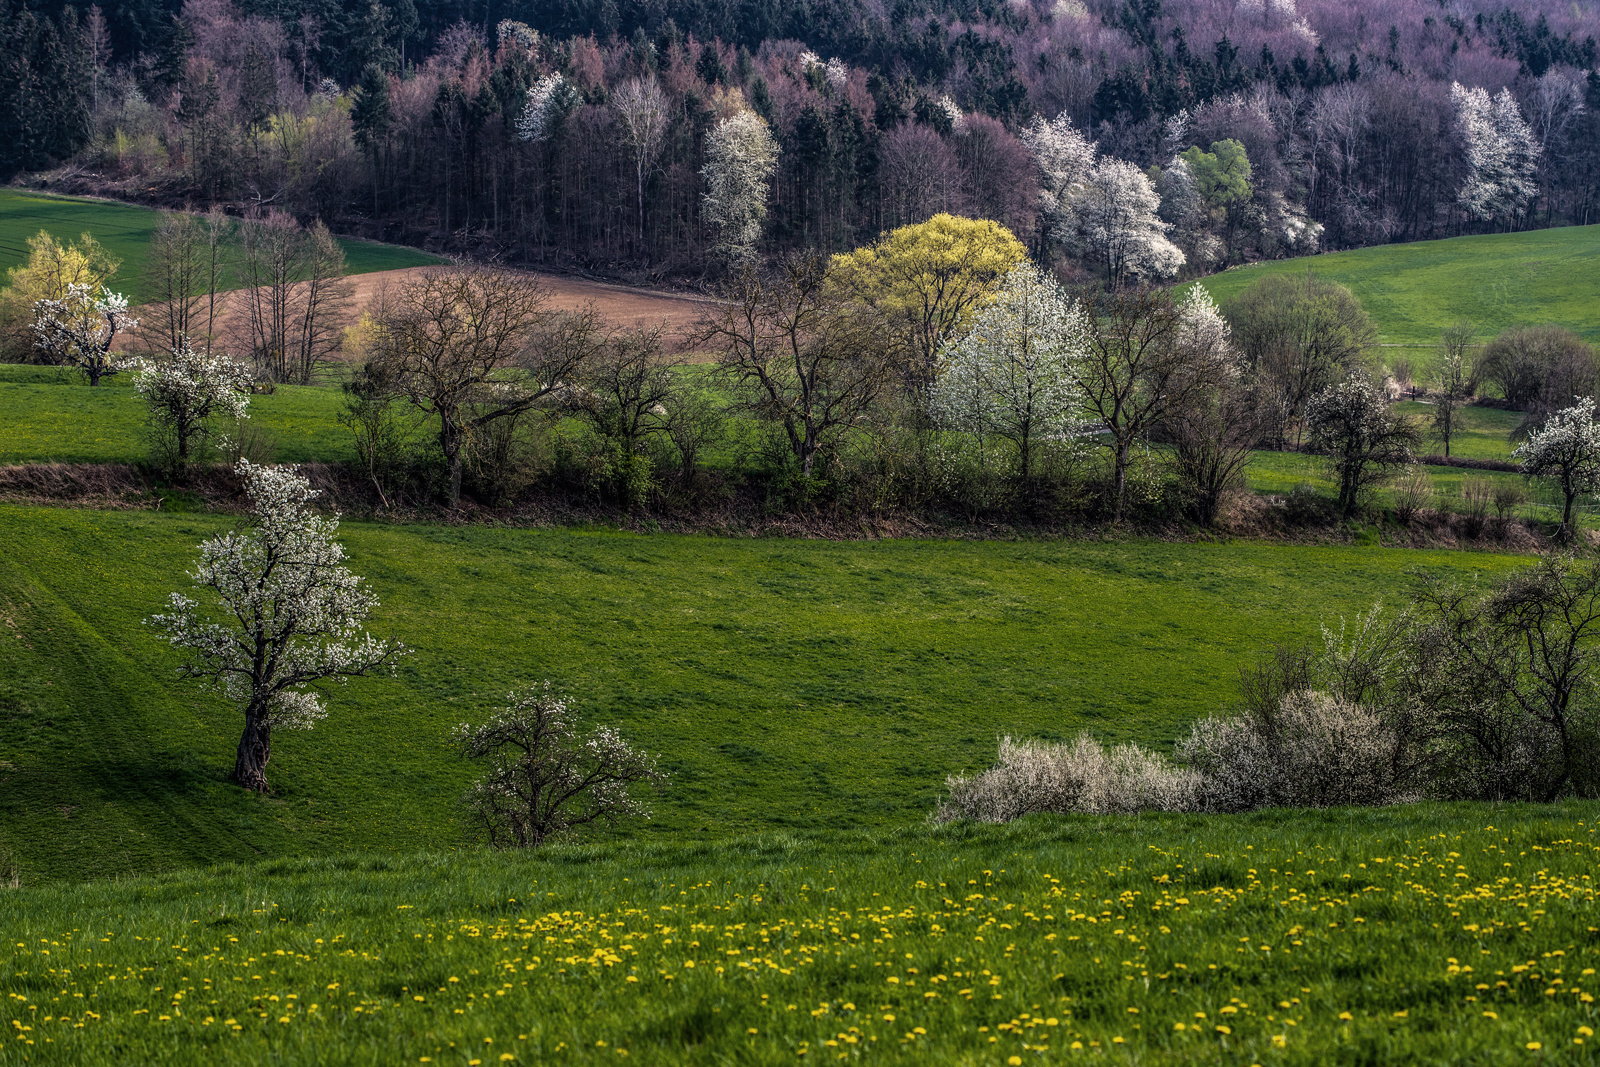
741,155
545,97
77,329
1103,208
288,611
1502,154
190,387
1013,374
836,72
952,112
545,776
1566,448
1353,410
520,32
1207,337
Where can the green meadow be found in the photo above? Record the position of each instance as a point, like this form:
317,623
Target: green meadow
789,901
785,684
1427,934
124,230
1414,291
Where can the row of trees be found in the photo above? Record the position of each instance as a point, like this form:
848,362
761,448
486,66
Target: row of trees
655,149
940,348
934,368
264,286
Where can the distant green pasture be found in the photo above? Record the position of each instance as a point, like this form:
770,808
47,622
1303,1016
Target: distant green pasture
124,230
1415,290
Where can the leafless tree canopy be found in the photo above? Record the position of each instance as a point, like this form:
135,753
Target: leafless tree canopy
801,354
470,346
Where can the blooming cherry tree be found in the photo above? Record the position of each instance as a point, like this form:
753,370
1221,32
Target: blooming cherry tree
545,777
1118,226
187,390
77,330
1353,424
1013,375
547,98
1102,209
287,613
1566,450
740,158
1502,154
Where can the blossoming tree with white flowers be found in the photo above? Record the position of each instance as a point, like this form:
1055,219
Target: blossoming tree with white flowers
77,330
287,613
184,392
1013,375
740,158
1566,451
545,776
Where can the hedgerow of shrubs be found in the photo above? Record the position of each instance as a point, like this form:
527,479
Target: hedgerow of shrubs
1461,695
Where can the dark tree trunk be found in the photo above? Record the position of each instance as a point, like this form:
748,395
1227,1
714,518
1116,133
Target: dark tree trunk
255,748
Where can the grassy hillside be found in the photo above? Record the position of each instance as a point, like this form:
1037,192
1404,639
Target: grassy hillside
124,230
1416,290
52,416
786,684
1420,935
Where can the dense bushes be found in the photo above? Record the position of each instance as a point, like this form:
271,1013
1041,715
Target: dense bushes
1463,695
1539,368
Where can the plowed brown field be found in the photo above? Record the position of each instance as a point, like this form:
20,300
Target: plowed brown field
621,305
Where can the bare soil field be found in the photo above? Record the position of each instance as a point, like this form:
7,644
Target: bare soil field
621,305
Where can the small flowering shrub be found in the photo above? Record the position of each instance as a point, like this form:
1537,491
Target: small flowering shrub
1080,776
1316,751
545,777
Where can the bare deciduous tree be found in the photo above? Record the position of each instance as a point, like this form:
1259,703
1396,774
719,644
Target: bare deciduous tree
1148,356
184,271
627,383
1455,381
801,353
642,106
465,346
294,297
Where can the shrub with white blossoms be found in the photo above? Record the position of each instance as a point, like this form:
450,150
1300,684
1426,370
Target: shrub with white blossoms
287,613
187,390
741,155
545,776
1566,451
78,329
1013,375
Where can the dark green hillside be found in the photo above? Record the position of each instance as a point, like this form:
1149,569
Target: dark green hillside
786,684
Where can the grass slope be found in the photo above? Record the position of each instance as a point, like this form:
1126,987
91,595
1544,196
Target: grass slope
1415,290
1429,934
52,416
125,231
793,685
